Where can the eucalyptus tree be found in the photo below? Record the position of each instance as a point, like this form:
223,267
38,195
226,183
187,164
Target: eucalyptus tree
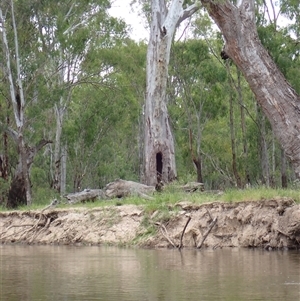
196,80
17,83
70,32
159,152
44,45
277,98
102,126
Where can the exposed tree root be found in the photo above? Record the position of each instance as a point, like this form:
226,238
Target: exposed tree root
165,233
35,229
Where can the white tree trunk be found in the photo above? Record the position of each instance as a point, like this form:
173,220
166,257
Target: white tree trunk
60,112
159,153
278,100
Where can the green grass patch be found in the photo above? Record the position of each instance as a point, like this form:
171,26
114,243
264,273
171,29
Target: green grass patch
171,195
257,194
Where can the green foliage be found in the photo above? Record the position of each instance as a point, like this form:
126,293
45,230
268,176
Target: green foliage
281,43
44,196
4,188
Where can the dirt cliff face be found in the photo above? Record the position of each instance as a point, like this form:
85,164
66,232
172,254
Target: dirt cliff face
270,224
267,224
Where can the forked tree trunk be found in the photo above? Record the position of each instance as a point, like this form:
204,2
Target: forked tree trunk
278,100
159,153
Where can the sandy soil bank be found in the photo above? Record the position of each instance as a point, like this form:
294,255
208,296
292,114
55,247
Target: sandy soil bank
269,224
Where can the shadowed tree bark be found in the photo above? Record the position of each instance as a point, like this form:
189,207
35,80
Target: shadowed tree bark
19,187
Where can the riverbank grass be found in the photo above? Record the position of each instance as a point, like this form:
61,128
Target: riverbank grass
171,195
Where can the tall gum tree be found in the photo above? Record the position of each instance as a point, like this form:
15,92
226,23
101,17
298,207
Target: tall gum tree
20,187
278,100
159,153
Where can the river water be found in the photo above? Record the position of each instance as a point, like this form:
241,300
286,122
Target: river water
60,273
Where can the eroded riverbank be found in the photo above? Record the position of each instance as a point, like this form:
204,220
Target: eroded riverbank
270,224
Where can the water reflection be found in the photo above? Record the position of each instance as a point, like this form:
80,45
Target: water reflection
104,273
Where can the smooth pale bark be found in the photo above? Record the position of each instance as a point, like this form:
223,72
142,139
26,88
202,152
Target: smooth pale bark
59,114
159,153
278,100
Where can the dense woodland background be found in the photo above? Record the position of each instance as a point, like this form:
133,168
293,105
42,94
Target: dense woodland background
79,81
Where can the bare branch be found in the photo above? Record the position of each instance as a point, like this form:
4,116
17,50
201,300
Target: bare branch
207,232
189,11
181,238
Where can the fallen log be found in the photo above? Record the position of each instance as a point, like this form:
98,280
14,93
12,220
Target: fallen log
116,189
85,195
121,188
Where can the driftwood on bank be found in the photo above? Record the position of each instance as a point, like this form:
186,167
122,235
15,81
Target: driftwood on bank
116,189
85,195
121,188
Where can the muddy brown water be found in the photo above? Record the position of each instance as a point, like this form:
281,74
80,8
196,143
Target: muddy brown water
63,273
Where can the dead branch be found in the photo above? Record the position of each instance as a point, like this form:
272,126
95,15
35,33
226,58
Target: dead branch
207,232
181,238
85,195
116,189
